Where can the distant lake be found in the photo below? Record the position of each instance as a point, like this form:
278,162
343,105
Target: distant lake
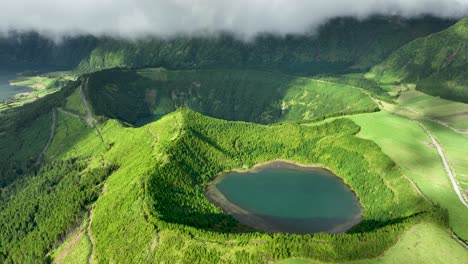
8,74
6,90
283,197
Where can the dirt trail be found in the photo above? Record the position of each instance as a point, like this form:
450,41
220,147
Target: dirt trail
88,228
446,165
69,113
377,102
69,248
51,136
88,233
459,131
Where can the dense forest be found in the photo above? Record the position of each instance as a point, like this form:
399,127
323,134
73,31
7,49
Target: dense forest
337,45
37,211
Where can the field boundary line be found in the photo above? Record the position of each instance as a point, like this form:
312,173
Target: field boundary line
445,162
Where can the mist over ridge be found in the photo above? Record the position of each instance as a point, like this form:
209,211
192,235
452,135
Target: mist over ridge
136,19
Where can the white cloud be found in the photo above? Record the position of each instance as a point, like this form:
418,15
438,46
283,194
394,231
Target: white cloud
138,18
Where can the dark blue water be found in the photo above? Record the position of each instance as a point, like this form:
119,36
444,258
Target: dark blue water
292,198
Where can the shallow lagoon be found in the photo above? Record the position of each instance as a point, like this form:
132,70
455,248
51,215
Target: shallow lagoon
284,197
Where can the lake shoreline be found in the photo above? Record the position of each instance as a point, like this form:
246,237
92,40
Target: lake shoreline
260,223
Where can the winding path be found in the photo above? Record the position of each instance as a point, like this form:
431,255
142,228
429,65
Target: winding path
89,118
51,136
88,233
446,165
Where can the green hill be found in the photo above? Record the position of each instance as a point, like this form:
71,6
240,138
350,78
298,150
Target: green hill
438,63
118,193
149,185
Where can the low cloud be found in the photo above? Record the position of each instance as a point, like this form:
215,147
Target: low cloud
165,18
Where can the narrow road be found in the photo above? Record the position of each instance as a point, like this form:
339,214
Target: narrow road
51,136
446,165
89,118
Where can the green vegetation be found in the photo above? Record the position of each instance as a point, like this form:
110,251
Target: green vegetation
130,187
42,85
341,44
185,161
357,80
455,146
423,243
140,96
437,63
76,248
36,211
24,131
408,145
454,114
157,194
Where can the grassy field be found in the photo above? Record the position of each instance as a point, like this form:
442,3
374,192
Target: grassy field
74,103
36,82
42,85
25,98
454,114
423,244
407,144
455,147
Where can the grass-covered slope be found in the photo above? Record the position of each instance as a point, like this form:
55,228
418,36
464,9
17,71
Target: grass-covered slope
37,211
438,63
424,243
156,197
139,96
340,44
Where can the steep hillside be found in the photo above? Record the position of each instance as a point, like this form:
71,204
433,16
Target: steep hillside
33,49
140,96
437,63
340,44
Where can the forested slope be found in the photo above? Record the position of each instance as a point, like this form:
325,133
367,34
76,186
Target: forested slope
339,44
438,63
140,96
